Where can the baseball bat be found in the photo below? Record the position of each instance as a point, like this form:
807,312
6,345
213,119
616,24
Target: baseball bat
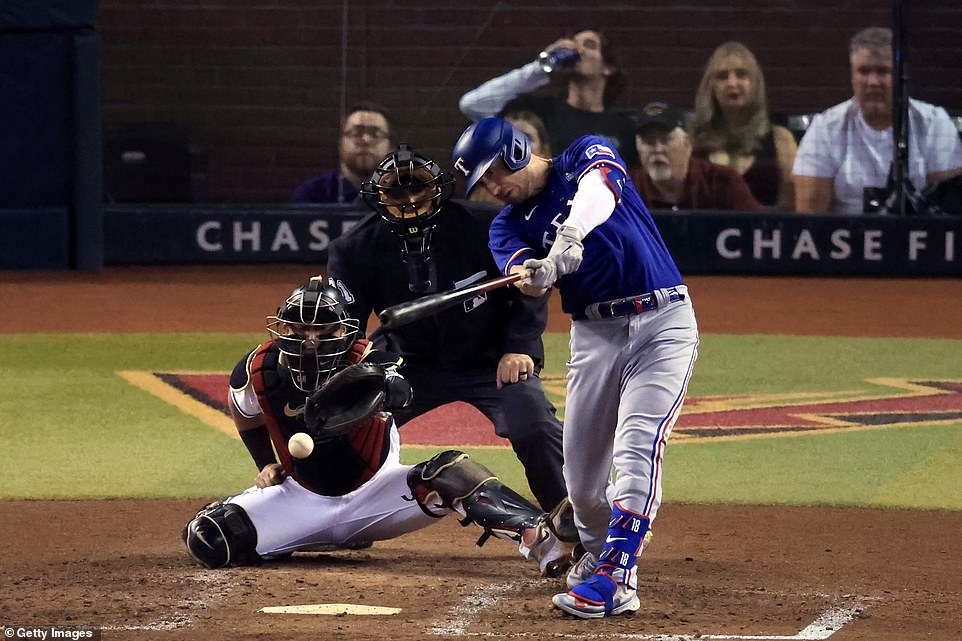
404,313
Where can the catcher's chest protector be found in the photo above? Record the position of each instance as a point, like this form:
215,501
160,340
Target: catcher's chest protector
335,467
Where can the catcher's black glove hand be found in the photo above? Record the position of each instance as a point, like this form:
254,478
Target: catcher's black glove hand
348,399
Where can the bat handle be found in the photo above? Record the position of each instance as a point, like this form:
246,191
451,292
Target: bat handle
514,277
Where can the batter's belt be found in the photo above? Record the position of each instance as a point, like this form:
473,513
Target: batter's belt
634,304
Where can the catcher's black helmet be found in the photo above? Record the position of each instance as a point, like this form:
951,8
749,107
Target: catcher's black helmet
314,332
406,189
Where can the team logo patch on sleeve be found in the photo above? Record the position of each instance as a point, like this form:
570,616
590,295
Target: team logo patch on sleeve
599,150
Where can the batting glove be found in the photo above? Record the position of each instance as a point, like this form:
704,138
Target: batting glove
567,250
542,272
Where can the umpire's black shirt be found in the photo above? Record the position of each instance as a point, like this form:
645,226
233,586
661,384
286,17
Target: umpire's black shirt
366,266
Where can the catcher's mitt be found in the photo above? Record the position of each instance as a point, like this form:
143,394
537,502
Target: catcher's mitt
348,399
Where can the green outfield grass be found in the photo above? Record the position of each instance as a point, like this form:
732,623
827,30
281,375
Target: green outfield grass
71,427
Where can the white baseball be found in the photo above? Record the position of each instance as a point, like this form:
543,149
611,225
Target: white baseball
301,445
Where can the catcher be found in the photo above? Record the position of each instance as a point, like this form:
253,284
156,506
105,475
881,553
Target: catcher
320,396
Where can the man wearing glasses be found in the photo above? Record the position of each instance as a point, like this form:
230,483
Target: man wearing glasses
365,140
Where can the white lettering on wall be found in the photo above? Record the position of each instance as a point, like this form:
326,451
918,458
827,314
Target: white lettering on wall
840,241
284,237
721,244
320,238
916,243
805,245
253,235
208,236
872,249
761,243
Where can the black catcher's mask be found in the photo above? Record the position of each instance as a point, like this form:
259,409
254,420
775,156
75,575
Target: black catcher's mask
406,189
313,331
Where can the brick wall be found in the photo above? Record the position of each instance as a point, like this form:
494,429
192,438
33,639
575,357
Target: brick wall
259,83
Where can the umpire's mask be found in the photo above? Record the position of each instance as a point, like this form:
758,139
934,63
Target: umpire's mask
407,190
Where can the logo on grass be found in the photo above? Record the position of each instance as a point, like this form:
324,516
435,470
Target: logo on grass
891,402
885,403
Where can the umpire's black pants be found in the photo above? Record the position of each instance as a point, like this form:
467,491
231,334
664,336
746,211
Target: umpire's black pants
520,412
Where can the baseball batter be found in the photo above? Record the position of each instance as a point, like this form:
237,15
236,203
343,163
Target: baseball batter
320,396
577,220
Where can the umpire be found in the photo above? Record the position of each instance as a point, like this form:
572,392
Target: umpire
488,351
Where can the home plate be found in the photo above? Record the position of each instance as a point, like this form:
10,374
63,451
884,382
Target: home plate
331,608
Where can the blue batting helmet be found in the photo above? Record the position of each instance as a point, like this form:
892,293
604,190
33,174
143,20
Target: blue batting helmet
484,142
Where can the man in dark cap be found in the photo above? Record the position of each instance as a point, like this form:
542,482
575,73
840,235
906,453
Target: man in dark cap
670,178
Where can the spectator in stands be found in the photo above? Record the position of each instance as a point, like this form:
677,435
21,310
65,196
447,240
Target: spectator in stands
732,126
848,149
592,84
670,178
365,140
533,127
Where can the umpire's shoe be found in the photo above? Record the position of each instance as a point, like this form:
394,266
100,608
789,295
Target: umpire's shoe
610,592
584,566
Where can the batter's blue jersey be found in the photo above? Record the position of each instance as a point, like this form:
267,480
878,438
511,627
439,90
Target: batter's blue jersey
624,256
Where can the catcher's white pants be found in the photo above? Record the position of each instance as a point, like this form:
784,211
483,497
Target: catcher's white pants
288,517
627,379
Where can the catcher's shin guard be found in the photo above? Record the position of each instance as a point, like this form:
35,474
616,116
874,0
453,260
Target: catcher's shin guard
221,534
453,481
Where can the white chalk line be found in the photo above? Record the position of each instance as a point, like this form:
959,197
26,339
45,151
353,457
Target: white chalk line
460,617
216,587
